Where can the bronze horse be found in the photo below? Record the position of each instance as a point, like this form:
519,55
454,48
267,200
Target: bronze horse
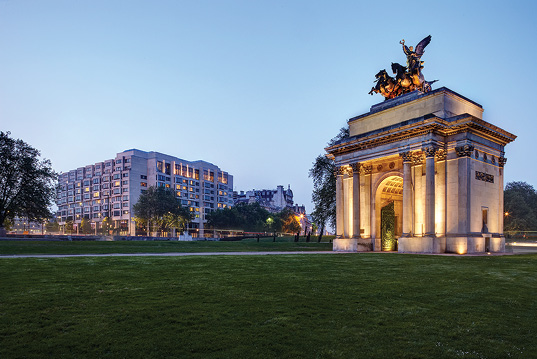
385,85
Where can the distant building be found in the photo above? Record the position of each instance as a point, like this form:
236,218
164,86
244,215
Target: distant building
110,188
270,199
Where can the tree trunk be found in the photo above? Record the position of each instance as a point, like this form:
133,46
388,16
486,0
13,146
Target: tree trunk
321,233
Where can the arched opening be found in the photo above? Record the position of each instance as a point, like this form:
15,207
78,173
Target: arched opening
389,210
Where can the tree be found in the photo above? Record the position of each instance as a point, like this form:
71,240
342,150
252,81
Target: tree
248,217
160,209
323,174
290,222
27,184
52,226
520,206
85,227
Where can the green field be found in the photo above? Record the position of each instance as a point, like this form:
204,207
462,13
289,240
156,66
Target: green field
286,306
98,247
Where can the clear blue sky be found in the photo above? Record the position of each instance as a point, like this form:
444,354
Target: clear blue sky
256,87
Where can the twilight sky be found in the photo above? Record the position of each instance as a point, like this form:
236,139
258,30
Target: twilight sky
255,87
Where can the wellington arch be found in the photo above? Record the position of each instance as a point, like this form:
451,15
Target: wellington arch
425,169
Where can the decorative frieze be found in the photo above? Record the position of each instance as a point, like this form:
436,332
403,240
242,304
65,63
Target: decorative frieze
482,176
464,150
501,161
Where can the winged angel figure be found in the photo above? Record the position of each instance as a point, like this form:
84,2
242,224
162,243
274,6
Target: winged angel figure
409,78
413,58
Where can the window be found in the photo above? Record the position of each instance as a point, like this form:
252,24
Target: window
117,176
143,184
125,204
143,177
126,182
95,194
126,174
118,161
125,197
127,160
160,166
167,168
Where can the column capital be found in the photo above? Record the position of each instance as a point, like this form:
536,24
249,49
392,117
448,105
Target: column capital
407,156
501,161
356,167
464,150
430,150
367,169
340,170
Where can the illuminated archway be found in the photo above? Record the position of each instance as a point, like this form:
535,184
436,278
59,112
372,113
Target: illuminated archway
389,190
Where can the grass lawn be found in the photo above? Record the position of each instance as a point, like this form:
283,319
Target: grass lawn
87,247
286,306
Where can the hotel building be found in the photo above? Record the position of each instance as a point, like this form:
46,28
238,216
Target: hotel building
111,188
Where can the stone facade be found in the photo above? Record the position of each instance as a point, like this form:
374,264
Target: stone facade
437,160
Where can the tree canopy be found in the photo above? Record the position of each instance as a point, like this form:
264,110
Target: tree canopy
254,218
520,206
324,187
159,209
27,184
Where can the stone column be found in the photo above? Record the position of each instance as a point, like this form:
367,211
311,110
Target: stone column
339,202
347,198
430,152
501,163
356,200
407,194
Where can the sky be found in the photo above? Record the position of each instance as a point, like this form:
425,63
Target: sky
255,87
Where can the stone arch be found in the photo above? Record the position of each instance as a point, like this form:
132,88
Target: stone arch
388,188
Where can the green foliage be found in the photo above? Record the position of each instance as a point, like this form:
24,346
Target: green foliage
323,174
27,184
159,209
248,217
290,222
85,227
68,226
520,204
52,226
387,227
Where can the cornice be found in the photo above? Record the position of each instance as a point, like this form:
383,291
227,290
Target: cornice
429,125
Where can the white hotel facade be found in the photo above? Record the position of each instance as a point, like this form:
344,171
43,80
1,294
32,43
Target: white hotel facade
111,188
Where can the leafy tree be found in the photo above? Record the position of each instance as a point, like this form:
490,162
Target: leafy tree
52,226
323,174
27,184
290,222
520,205
85,227
106,226
68,226
159,208
248,217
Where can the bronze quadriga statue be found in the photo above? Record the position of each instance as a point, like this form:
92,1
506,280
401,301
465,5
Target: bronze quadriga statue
407,78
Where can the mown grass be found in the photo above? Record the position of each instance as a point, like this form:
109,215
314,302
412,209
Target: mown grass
287,306
94,247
